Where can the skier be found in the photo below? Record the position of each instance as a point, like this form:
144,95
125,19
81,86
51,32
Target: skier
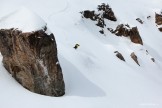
76,46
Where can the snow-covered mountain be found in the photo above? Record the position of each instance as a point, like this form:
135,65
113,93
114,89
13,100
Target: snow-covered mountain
94,76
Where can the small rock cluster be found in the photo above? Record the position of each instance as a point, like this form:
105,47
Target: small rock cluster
103,12
133,56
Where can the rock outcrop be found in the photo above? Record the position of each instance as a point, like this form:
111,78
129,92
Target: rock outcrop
107,12
119,55
158,21
127,31
31,58
135,58
103,13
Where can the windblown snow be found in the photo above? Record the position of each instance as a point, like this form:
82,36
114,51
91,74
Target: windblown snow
94,76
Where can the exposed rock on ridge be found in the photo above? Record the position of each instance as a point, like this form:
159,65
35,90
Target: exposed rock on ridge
103,13
133,33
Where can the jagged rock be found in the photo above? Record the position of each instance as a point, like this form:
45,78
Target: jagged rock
125,30
119,55
104,12
134,57
31,58
107,12
158,19
135,36
139,20
122,30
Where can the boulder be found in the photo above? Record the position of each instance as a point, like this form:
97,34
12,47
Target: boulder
89,14
122,30
31,58
135,58
135,36
119,55
139,20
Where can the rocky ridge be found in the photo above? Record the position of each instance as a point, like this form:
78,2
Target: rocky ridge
104,13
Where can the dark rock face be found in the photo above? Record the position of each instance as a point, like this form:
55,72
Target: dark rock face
119,55
107,12
139,20
158,20
125,30
104,11
32,60
135,58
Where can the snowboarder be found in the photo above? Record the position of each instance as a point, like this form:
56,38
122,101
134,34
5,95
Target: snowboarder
76,46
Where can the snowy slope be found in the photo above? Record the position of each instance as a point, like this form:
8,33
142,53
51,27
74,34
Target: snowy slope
22,19
94,77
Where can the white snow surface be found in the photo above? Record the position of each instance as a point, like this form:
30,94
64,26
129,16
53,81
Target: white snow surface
94,76
22,19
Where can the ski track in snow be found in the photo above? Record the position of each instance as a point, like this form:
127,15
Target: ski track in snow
60,11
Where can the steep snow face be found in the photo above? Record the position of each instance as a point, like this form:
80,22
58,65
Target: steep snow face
94,76
22,19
